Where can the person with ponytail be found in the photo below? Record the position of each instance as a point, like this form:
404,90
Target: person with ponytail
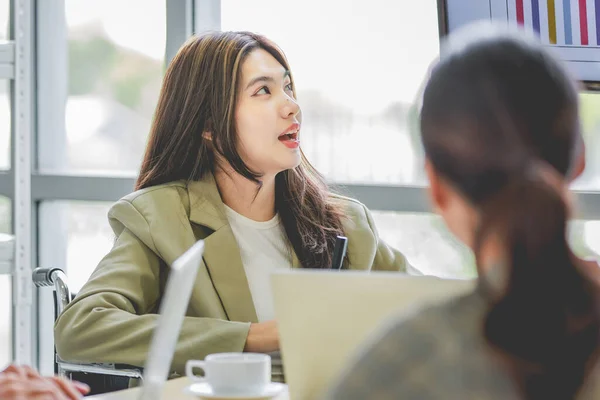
501,133
224,164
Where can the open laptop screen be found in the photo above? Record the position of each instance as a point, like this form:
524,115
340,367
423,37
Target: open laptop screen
178,290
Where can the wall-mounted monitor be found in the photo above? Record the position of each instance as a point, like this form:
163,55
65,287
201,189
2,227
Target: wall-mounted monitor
570,27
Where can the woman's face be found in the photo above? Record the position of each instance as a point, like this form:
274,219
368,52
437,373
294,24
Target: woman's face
267,116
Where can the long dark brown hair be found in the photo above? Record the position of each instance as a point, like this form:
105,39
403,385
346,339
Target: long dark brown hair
199,94
500,123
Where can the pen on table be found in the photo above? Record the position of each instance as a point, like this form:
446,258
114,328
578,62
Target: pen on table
339,252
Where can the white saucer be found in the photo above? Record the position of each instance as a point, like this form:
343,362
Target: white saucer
204,391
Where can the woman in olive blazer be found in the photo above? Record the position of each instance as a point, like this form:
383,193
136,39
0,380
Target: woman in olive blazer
225,135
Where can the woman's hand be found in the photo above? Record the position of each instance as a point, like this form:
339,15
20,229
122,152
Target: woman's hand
22,382
263,337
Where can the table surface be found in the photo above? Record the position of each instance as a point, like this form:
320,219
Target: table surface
173,390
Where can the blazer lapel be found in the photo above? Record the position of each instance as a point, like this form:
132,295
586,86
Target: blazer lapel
223,260
221,251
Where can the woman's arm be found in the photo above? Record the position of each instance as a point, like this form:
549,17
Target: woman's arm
113,317
263,337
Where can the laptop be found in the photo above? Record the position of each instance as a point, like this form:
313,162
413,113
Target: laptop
324,317
173,306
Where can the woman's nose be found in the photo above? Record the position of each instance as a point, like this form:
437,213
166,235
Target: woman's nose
290,107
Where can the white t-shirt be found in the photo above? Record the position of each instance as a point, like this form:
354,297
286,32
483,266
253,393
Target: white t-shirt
264,248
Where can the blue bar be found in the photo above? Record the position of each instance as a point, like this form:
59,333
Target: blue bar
535,15
598,21
567,14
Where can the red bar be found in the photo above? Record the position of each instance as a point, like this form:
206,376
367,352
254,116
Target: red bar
583,22
520,14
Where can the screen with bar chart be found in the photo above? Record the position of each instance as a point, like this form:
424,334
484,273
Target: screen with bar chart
571,27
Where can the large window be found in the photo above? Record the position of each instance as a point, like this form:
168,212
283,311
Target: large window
115,67
358,66
84,237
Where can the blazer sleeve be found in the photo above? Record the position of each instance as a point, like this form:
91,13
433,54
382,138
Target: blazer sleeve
113,317
388,258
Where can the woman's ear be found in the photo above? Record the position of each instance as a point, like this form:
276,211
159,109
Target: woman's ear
579,165
460,217
207,132
436,191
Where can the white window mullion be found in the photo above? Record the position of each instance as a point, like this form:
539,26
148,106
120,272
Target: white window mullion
23,307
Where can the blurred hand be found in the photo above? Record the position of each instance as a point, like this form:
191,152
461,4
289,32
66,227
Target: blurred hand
263,337
24,383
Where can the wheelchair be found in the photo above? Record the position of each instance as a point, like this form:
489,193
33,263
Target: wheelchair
102,378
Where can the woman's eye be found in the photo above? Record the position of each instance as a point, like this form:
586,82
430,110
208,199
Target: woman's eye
289,87
263,90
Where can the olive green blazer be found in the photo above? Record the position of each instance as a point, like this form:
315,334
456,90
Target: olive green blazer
112,318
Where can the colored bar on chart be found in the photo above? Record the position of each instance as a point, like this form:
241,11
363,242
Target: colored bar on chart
520,14
535,14
583,22
598,22
567,17
552,21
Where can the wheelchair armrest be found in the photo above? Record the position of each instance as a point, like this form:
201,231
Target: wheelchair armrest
57,278
43,276
125,370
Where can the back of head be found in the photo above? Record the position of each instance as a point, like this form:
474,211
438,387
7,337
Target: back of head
500,123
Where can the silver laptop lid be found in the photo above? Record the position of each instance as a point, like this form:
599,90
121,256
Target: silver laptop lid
176,297
347,307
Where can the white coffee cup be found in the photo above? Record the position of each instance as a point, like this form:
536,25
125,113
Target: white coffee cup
233,373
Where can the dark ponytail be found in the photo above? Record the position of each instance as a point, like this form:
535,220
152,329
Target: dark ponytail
500,124
545,321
